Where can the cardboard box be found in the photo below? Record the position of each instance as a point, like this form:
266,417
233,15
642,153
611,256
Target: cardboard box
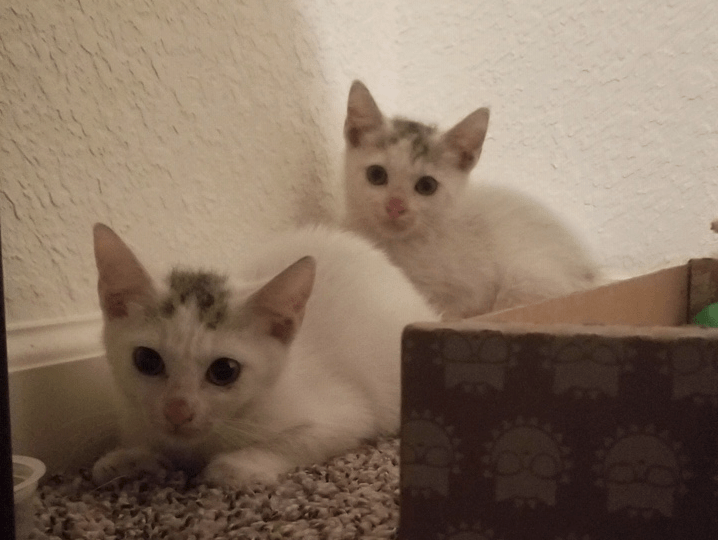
593,416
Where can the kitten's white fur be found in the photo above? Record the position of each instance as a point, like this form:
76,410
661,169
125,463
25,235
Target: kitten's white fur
319,357
469,248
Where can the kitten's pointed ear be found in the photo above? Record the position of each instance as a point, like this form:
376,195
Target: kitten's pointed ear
279,305
467,138
363,115
122,280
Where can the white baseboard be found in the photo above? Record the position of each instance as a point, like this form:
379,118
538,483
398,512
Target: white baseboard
43,343
61,394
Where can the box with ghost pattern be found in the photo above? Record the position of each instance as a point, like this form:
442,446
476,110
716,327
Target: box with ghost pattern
593,416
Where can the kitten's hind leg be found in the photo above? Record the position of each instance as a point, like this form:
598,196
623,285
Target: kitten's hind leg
129,463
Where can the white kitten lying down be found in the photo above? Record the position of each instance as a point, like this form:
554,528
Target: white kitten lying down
292,360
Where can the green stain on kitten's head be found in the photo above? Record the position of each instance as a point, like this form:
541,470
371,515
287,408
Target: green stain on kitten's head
206,290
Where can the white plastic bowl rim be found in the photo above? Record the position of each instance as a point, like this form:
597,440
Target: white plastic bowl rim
27,487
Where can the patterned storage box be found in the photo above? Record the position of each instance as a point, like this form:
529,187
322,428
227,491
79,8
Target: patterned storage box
565,431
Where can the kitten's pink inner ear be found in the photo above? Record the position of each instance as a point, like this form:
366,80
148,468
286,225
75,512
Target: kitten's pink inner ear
467,138
121,278
363,114
282,301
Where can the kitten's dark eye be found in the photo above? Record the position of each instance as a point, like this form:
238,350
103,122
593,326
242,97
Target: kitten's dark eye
148,361
223,371
376,174
426,185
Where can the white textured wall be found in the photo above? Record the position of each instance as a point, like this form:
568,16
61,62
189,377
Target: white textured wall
184,127
607,111
187,128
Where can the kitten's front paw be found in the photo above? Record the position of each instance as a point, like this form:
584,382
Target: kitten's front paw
129,463
238,469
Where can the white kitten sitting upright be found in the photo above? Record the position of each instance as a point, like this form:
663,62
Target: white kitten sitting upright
469,248
293,360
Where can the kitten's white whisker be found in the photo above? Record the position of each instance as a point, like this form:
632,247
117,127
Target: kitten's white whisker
242,433
111,481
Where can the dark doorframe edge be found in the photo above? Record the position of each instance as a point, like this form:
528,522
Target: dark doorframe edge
7,506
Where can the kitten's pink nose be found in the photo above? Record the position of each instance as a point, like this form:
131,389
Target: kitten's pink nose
395,207
178,412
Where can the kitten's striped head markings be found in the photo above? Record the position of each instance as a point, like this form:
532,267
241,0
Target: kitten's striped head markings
206,290
422,138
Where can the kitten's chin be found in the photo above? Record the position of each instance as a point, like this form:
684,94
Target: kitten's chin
379,226
392,229
188,435
183,434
